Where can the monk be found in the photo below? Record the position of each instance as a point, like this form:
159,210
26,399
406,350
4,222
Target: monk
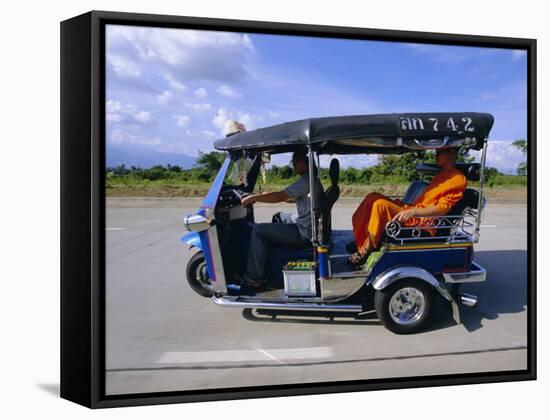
376,210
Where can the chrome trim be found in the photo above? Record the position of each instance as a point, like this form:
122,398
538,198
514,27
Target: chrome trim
343,285
196,223
294,306
392,275
442,248
468,300
462,228
476,275
220,285
456,311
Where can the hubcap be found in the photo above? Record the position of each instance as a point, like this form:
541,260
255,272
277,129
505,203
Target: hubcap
407,305
201,274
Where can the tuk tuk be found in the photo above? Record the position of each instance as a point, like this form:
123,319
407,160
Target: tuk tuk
401,279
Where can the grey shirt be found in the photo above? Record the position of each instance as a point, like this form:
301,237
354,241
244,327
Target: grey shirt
299,190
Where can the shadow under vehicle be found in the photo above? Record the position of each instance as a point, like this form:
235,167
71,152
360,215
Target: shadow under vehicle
400,280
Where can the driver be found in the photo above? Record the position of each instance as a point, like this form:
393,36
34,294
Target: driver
376,210
291,234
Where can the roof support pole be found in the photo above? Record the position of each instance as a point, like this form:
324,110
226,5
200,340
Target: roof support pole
481,182
312,197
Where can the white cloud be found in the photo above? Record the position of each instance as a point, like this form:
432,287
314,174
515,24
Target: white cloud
356,161
182,147
487,96
518,54
201,93
229,92
117,111
165,96
224,116
182,120
120,136
221,120
174,84
450,54
502,155
195,54
123,67
202,107
142,116
208,133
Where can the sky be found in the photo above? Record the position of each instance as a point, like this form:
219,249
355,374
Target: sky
171,92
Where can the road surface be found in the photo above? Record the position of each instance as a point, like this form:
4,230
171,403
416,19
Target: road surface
161,336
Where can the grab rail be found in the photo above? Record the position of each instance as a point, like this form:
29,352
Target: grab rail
462,228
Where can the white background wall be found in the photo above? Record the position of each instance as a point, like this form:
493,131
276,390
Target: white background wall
30,206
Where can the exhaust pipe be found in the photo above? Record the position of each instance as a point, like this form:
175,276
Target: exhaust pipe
468,300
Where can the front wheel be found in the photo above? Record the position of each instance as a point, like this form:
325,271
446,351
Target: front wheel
404,307
197,275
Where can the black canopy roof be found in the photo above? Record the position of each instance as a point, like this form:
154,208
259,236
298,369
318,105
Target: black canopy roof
380,133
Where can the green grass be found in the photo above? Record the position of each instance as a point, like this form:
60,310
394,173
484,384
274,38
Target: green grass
178,188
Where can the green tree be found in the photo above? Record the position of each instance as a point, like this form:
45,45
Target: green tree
402,167
155,172
490,175
350,175
462,157
286,172
521,144
365,175
174,168
210,163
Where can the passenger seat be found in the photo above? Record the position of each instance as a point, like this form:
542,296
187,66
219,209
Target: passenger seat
414,191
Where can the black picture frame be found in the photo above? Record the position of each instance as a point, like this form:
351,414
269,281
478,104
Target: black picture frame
83,208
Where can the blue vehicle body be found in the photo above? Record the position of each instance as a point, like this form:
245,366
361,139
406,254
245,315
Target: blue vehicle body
201,240
193,240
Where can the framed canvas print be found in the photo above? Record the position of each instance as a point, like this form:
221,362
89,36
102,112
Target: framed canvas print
255,209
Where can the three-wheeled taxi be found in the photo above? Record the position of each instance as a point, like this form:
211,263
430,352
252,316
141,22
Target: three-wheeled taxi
401,279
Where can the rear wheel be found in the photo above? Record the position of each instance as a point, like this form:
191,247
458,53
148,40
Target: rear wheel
404,307
197,275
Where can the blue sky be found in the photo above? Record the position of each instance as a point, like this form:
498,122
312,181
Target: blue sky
170,92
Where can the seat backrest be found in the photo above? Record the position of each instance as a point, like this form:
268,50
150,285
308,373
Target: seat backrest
414,191
470,199
472,171
330,197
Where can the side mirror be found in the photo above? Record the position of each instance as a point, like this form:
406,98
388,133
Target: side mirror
266,157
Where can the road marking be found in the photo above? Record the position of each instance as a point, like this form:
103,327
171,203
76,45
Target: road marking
258,355
488,226
270,356
114,228
205,366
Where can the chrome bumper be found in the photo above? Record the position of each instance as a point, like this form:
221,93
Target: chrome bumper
475,275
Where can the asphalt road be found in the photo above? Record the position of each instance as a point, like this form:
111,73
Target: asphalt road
162,336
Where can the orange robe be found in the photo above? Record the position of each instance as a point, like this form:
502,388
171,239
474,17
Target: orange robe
376,210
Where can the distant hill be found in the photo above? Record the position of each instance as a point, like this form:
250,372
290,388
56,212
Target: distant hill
146,158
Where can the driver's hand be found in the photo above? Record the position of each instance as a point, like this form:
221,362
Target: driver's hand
404,215
248,200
